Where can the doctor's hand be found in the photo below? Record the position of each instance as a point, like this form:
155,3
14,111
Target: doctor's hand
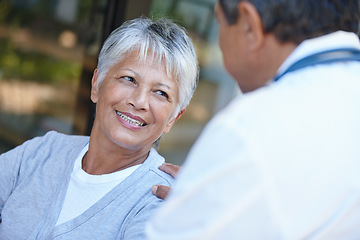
162,191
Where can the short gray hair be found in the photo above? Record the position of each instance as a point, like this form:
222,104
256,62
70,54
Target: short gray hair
167,42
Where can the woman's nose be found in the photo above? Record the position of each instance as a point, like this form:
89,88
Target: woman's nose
139,99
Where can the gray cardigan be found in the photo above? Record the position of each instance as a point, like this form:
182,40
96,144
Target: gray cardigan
34,178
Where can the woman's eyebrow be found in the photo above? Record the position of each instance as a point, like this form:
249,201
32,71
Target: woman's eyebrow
163,85
137,75
129,69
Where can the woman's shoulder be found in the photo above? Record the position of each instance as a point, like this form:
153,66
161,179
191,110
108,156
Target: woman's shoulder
50,144
62,136
163,178
56,139
153,162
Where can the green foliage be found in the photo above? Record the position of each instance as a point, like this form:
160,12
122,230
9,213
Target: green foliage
34,66
5,9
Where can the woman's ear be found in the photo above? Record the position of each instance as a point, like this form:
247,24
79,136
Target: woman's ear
94,87
251,25
171,122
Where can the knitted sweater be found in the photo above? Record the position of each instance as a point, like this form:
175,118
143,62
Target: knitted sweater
34,178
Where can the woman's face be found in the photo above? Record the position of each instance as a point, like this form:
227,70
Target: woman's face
135,102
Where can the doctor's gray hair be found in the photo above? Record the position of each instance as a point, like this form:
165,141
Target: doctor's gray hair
165,41
298,20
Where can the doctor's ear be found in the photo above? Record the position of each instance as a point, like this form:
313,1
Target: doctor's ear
94,86
251,24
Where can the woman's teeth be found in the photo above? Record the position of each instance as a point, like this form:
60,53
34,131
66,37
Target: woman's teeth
130,120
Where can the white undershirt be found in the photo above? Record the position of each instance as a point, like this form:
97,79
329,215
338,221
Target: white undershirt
85,189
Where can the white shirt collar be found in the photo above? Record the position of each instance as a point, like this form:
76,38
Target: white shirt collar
339,39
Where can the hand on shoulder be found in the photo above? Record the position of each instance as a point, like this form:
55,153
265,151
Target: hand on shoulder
162,191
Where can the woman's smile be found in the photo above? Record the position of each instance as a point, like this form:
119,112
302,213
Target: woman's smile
130,119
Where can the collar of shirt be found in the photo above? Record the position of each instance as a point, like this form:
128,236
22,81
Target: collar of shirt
339,39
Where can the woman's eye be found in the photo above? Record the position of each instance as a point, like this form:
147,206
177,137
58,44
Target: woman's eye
129,79
162,93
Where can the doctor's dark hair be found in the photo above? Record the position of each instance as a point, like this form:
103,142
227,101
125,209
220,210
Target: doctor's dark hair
298,20
159,41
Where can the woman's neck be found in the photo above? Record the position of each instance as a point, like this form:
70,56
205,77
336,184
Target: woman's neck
108,159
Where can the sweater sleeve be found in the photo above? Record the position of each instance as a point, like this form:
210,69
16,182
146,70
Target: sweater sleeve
135,230
7,176
12,165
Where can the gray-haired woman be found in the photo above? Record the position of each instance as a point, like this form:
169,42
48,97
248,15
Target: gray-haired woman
75,187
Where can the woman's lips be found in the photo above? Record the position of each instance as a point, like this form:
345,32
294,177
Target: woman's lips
134,120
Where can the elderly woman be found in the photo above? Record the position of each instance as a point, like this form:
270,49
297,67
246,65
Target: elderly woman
75,187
